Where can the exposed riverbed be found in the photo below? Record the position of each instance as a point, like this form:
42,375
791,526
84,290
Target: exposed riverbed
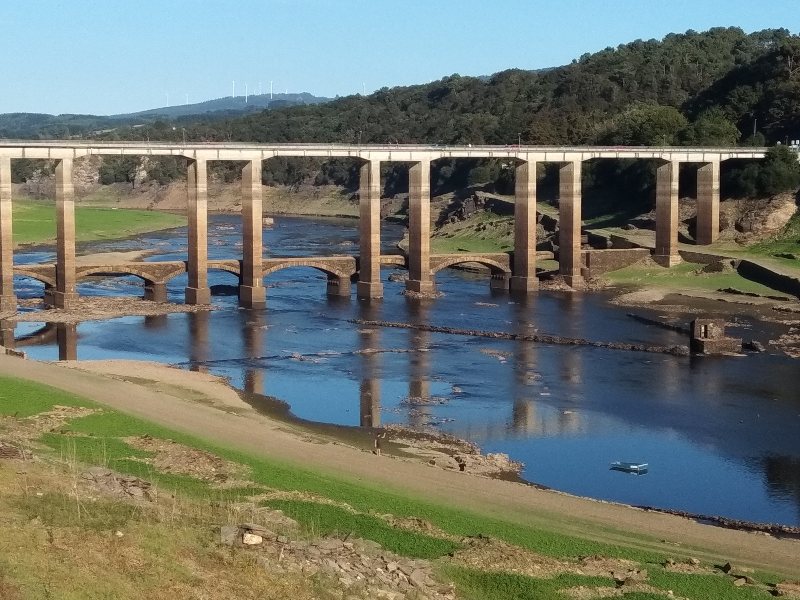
721,435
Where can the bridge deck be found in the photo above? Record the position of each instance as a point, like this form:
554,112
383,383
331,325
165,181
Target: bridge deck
55,149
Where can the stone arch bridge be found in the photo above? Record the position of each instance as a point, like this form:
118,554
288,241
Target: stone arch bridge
340,270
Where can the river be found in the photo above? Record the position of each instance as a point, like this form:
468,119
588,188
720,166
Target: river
721,434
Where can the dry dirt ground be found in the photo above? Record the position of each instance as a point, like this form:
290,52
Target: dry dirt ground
205,406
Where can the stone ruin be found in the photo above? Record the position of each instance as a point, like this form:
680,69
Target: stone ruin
707,336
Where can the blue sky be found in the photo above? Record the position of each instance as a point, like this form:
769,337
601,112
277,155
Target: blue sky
111,56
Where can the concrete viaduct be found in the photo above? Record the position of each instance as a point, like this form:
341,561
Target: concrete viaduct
517,271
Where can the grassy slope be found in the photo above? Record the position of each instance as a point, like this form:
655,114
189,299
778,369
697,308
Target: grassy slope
160,547
35,222
686,276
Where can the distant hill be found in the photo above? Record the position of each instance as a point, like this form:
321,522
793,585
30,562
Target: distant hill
46,126
228,105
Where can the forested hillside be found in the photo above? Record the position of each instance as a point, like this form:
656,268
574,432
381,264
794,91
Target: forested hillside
719,87
753,77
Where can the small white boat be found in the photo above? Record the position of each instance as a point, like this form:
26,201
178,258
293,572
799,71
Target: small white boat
629,467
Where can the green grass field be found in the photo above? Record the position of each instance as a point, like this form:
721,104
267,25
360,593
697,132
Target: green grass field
344,508
35,222
686,276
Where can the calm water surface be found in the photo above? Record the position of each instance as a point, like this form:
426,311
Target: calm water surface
721,435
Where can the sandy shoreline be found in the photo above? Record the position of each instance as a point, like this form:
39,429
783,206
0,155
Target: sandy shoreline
206,406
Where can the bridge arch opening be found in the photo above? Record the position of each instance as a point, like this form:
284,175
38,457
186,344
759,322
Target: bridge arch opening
29,287
109,283
309,275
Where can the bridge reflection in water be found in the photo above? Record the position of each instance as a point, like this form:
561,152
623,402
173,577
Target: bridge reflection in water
547,392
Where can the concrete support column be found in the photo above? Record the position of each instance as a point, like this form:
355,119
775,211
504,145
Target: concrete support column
64,295
369,199
707,230
666,251
569,225
499,282
419,228
338,286
8,301
155,292
523,272
198,292
252,293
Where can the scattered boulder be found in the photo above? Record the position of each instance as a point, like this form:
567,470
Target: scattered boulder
720,266
251,539
355,564
116,484
11,452
229,535
726,568
753,346
789,589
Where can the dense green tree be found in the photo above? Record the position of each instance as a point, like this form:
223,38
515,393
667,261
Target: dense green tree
712,128
119,169
645,125
779,172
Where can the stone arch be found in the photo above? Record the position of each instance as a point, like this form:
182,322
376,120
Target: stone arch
326,268
225,268
150,273
494,266
47,280
111,272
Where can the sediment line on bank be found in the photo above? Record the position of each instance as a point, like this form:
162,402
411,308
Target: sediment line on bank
540,338
768,528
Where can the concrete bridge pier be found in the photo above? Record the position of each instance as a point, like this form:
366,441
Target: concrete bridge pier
252,293
8,301
419,228
65,296
155,292
369,207
707,203
569,226
338,286
666,250
499,282
523,278
197,292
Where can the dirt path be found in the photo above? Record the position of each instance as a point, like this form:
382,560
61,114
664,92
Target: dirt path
170,397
